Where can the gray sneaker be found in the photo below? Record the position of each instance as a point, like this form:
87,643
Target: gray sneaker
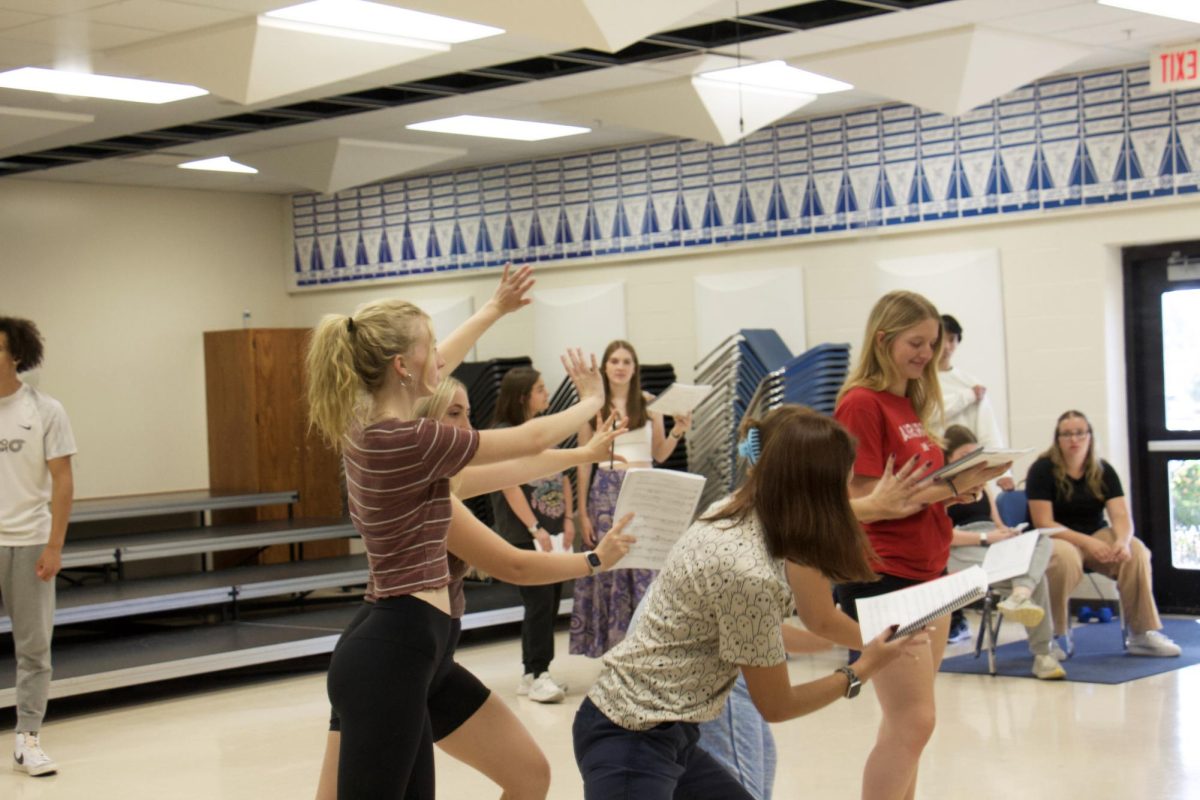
1152,643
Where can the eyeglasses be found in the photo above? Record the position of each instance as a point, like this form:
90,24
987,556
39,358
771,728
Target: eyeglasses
1074,434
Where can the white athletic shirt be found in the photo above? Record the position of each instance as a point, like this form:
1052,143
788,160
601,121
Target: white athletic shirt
33,429
636,445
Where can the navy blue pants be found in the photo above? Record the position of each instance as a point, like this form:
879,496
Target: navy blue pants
662,763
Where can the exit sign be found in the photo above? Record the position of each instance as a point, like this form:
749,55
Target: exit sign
1175,68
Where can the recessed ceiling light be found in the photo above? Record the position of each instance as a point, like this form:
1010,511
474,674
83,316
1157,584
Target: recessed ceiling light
777,75
377,18
498,128
218,164
1186,10
105,87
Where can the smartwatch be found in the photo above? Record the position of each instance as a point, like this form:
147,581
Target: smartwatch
533,529
983,539
593,562
855,685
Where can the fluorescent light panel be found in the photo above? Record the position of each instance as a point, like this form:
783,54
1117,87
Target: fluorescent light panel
376,18
779,76
105,87
1186,10
218,164
498,128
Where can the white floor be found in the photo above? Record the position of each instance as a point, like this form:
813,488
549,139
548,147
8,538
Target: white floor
997,738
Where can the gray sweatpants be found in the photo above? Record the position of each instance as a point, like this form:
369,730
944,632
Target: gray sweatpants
29,602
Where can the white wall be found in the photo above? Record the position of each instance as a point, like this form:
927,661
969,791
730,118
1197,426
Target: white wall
123,282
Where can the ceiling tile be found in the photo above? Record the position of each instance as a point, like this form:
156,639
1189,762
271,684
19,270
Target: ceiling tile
11,19
990,10
51,7
161,15
77,34
18,53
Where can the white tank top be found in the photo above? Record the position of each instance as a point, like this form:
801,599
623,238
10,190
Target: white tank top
636,445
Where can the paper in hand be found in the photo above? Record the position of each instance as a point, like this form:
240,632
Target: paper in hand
679,399
663,502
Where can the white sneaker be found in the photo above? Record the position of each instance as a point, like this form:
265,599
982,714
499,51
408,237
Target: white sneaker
30,758
1152,643
545,690
1024,611
1062,647
523,686
1047,668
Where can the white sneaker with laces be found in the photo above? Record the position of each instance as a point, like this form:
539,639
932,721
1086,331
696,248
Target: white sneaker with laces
30,758
1152,643
1024,611
545,690
523,686
1047,668
1062,647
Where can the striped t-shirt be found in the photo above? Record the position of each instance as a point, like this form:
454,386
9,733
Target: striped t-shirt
397,477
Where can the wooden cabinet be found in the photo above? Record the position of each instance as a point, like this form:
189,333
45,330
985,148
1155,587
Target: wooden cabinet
258,433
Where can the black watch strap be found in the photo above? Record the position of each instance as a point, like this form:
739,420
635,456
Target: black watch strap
855,685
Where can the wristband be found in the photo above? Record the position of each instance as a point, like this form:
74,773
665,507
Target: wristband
533,529
983,539
953,491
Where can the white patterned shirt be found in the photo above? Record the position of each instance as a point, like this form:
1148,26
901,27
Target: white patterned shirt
719,603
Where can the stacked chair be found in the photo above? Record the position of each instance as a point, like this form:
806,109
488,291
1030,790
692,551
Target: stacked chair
482,379
811,379
735,368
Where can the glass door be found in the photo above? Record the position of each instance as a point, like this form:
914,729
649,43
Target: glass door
1162,323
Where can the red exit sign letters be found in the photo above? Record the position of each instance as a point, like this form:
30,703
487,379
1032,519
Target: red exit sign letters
1175,68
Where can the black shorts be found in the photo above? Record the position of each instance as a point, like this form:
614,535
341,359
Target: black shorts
847,595
454,694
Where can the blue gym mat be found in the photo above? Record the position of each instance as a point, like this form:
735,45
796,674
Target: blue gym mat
1098,655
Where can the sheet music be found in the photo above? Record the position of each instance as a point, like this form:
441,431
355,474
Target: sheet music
664,502
680,398
1010,557
906,606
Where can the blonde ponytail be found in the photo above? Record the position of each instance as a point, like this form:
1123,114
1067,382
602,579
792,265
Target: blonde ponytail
348,358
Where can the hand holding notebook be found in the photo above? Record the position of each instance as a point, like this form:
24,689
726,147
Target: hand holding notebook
913,608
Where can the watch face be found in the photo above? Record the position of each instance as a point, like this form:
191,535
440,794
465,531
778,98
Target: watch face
594,560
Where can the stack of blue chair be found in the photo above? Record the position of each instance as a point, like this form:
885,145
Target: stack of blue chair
735,368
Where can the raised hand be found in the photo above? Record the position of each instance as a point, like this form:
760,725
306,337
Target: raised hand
895,494
683,424
510,295
599,447
585,375
615,544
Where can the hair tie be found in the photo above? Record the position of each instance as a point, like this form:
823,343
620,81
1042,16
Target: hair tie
750,448
350,324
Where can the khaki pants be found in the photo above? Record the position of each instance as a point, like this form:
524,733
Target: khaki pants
1132,577
29,601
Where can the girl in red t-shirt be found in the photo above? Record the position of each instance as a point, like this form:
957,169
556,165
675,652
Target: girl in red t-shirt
888,403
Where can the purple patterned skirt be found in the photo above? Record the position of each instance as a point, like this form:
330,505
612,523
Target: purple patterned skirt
604,603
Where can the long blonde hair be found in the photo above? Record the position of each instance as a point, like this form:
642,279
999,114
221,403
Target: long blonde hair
1092,472
893,314
437,404
348,358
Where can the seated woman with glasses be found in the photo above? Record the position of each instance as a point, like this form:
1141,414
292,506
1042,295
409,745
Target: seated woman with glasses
1071,489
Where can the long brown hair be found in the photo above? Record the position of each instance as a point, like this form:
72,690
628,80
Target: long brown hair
512,406
1092,473
798,489
893,314
635,403
956,436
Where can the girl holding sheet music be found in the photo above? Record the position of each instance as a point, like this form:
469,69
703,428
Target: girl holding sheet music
718,608
977,526
604,604
888,403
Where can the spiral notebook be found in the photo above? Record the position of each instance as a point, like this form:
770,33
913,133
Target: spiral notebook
915,607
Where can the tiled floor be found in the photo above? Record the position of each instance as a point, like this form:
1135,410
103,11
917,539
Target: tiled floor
996,738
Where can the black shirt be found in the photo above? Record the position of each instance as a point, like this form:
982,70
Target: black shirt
966,513
546,499
1083,511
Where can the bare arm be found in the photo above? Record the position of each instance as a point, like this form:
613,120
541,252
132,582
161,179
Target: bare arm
543,433
663,444
814,604
778,700
478,545
509,296
62,494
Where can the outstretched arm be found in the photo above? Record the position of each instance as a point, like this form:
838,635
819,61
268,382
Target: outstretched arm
509,296
478,545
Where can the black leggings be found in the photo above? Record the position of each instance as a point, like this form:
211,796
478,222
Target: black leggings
379,680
